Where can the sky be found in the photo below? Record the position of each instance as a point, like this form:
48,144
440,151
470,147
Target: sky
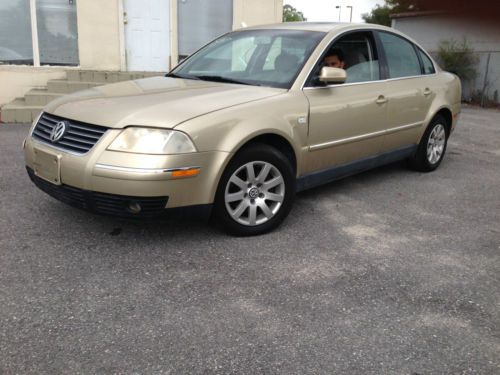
324,10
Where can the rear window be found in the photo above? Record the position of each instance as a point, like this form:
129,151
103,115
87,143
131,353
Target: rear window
427,63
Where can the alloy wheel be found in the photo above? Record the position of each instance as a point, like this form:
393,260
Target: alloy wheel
436,144
254,193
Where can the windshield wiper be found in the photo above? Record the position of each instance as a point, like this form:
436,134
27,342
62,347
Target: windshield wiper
223,79
178,75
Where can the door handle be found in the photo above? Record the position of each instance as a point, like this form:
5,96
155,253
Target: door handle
381,100
427,91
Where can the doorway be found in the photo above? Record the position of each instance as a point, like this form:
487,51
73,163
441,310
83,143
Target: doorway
147,35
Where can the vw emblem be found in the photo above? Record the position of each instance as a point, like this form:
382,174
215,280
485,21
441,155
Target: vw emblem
253,193
58,131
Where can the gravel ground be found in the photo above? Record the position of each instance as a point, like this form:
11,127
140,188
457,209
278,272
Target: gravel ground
387,272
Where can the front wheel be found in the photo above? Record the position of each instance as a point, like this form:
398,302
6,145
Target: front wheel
430,151
256,191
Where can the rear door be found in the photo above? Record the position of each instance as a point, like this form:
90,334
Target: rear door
408,92
347,121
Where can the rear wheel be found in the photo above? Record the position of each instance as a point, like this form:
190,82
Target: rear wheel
432,147
256,191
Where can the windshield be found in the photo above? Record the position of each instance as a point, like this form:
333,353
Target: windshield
254,57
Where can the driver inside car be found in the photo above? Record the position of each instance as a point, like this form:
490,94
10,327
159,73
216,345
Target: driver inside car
335,59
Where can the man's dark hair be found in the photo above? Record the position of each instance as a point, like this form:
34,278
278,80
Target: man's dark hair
336,52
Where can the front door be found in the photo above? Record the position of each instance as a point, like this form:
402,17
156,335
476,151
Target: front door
147,35
347,121
346,124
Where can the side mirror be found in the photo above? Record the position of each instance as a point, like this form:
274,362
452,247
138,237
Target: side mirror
332,75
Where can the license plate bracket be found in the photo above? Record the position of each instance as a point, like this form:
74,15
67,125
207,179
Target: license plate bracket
47,166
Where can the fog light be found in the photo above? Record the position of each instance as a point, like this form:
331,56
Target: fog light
134,207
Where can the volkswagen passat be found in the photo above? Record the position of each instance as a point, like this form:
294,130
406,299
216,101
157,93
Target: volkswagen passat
241,125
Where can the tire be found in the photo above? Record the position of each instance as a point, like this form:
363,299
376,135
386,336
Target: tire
256,191
432,147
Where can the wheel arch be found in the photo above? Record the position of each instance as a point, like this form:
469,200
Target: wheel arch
448,116
252,149
442,111
278,141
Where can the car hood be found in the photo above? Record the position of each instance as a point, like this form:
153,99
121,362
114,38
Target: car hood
157,101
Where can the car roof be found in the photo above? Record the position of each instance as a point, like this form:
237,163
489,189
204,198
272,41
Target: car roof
319,26
329,27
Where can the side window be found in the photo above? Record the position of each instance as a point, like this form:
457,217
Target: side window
356,54
401,57
428,66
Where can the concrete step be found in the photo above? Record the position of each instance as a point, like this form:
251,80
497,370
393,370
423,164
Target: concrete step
107,76
28,108
62,86
40,97
18,111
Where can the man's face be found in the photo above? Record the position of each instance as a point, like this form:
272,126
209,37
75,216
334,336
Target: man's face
333,61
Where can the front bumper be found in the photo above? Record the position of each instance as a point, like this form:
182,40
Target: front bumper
101,171
116,205
110,204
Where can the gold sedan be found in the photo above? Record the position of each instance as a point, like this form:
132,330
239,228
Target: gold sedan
240,126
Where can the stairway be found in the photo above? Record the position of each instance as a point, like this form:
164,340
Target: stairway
25,110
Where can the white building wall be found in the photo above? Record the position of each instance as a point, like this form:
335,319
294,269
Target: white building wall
101,46
256,12
428,31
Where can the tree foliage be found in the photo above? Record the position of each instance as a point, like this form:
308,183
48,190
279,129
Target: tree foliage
381,15
290,14
459,58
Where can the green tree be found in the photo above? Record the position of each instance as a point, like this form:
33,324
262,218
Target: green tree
459,58
290,14
398,6
381,15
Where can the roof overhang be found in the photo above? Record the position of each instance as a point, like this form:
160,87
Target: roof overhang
418,14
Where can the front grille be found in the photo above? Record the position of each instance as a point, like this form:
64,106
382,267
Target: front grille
78,138
108,204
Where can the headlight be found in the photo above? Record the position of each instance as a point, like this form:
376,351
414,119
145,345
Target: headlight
152,141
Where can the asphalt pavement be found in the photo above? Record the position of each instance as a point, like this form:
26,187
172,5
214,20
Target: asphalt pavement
387,272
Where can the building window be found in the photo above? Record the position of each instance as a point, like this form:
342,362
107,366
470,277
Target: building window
201,21
16,45
57,33
38,32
